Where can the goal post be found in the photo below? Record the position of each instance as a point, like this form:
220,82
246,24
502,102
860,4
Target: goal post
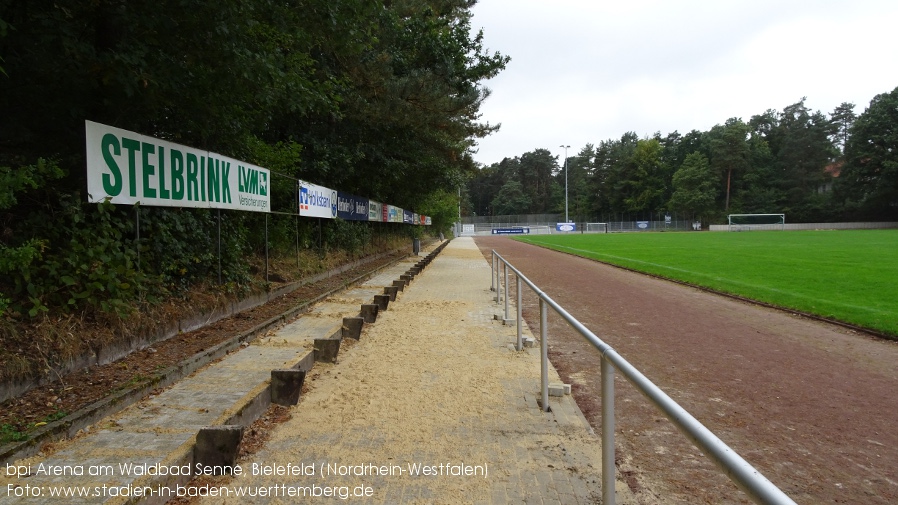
596,227
754,222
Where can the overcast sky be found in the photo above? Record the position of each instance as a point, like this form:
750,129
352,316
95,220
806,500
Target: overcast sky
583,71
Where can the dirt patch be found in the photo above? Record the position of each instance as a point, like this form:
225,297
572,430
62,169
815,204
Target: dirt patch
810,405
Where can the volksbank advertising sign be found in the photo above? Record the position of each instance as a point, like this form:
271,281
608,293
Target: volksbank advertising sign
130,168
317,201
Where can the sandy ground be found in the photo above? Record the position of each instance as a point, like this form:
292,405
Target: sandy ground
421,388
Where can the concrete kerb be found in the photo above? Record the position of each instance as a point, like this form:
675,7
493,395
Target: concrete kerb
69,426
382,301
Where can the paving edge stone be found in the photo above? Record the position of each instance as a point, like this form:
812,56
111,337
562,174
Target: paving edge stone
69,426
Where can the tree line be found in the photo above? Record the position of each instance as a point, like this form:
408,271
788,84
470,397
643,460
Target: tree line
814,167
379,99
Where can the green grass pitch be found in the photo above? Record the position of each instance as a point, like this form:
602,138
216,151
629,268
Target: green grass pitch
850,276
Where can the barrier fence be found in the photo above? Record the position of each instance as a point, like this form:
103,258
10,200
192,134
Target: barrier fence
755,485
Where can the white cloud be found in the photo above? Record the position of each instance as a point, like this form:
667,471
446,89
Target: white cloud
585,71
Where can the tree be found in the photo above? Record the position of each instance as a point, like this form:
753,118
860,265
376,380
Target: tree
536,172
511,199
868,183
842,118
580,172
804,151
694,186
646,186
729,151
614,170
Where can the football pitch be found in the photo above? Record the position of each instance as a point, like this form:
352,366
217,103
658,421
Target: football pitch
851,276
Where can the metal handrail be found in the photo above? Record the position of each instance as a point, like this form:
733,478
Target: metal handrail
746,477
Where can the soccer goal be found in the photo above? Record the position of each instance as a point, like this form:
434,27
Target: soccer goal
596,227
753,222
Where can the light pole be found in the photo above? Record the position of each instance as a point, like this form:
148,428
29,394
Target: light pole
566,220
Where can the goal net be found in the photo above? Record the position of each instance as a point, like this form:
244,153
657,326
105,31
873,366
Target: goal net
596,227
753,222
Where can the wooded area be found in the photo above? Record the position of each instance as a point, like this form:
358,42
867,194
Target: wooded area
809,165
379,99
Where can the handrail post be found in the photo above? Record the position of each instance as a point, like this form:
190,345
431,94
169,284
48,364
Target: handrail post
493,271
505,291
608,469
496,275
519,345
544,351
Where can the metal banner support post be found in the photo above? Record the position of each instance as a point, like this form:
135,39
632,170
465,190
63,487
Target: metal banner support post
266,247
137,214
219,246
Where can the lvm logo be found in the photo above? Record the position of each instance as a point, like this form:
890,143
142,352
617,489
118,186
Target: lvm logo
252,181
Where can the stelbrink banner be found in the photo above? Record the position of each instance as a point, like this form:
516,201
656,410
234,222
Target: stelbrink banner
130,168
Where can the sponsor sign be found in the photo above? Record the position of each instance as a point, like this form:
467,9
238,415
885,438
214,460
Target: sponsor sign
427,221
416,219
351,207
375,211
317,201
395,214
407,217
642,225
511,231
566,226
130,168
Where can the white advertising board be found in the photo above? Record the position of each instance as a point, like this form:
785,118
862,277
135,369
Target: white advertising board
317,201
130,168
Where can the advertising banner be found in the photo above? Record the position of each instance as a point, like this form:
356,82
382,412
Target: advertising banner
415,219
565,227
511,231
407,217
317,201
351,207
395,214
427,221
375,211
130,168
